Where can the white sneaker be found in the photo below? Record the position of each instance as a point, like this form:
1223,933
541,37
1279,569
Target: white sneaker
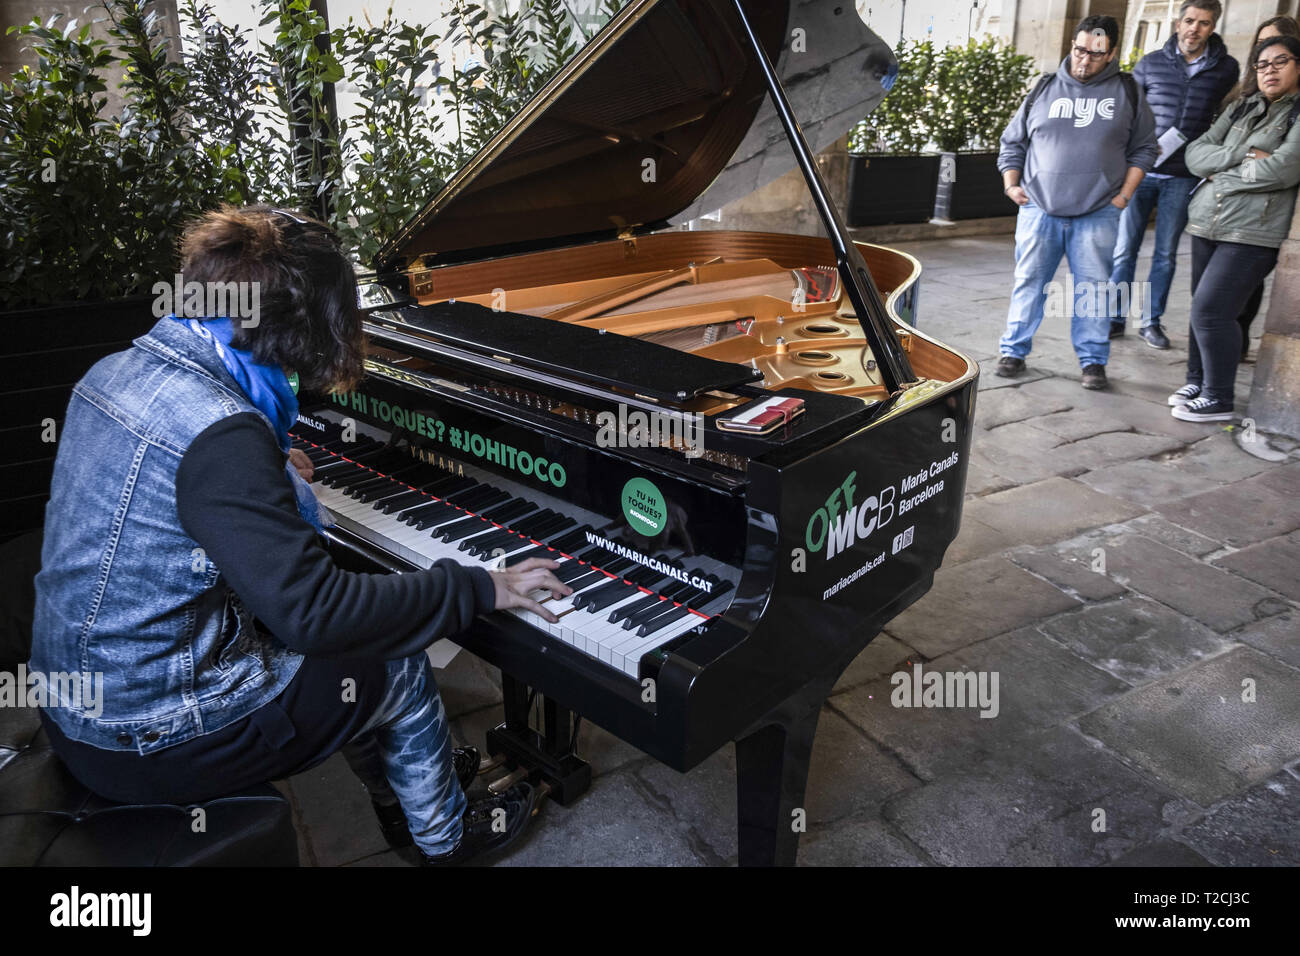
1203,410
1184,395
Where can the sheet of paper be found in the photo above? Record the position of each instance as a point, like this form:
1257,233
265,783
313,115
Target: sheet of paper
1169,142
442,652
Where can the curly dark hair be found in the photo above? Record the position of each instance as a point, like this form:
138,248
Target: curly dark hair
309,320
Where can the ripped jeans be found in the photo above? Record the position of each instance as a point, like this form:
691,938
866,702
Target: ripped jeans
403,755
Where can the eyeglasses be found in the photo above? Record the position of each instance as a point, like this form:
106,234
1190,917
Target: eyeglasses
1277,63
1090,54
289,215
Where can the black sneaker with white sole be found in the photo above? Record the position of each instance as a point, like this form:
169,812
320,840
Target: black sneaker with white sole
1154,336
1203,410
392,821
490,824
1184,395
1116,330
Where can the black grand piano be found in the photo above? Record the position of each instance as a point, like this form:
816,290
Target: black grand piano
745,460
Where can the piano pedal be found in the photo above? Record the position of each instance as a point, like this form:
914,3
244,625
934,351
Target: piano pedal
490,763
543,789
502,784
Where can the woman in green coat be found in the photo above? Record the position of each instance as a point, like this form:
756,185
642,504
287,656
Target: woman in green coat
1238,217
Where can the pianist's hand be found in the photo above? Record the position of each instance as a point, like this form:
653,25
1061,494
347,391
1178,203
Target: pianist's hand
515,583
298,458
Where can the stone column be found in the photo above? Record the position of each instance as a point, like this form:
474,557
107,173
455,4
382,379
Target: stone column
1275,392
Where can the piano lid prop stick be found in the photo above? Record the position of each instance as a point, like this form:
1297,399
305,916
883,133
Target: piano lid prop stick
895,368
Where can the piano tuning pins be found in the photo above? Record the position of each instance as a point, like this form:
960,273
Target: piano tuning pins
780,345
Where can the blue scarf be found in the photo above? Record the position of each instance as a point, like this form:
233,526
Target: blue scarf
268,389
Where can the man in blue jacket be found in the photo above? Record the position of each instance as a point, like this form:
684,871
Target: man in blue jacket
1184,82
1072,158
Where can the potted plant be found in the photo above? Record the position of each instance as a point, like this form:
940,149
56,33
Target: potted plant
890,179
978,88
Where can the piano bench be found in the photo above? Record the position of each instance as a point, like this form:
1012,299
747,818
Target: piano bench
48,819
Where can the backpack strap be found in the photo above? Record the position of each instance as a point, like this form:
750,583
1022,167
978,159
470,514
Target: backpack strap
1038,89
1131,88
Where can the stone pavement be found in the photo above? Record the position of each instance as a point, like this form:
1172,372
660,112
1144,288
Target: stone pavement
1134,582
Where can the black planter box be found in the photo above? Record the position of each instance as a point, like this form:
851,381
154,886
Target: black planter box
970,187
891,189
44,351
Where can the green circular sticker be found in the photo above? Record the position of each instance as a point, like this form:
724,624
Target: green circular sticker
645,507
293,379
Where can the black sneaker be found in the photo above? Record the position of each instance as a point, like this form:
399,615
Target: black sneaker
1094,376
1184,395
491,824
1203,410
1116,330
1009,366
1155,337
392,821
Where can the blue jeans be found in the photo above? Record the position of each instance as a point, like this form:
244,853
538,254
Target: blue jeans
403,755
1169,197
1088,243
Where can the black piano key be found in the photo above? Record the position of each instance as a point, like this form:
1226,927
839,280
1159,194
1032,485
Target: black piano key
628,610
401,502
571,570
561,526
545,528
466,528
490,541
430,515
584,582
588,601
482,496
634,621
537,551
618,591
572,539
662,621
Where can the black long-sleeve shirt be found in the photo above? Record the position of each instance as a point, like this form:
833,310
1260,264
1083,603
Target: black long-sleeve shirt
234,498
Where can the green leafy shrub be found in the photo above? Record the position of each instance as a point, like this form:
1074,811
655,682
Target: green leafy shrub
957,98
977,89
92,205
899,123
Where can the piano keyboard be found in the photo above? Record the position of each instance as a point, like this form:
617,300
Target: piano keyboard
619,610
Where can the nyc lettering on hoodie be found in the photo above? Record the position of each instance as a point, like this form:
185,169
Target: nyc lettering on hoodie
1078,142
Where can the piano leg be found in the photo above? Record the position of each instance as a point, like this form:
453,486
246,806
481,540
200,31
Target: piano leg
772,776
549,756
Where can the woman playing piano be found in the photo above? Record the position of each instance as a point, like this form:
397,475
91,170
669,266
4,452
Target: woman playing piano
182,562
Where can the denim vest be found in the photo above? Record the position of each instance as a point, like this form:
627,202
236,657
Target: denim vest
123,591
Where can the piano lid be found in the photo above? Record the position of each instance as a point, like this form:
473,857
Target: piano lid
632,131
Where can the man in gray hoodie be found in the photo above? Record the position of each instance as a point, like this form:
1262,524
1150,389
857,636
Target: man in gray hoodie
1071,158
